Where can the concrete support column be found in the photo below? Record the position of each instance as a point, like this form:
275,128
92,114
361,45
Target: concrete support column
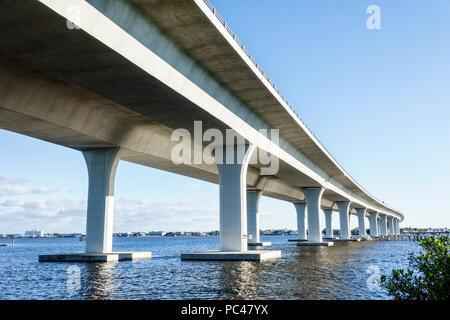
383,225
390,225
232,165
328,223
344,207
313,197
102,166
233,197
300,207
397,226
361,221
373,220
253,197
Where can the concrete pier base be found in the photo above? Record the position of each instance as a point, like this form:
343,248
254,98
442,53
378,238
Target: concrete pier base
347,240
260,255
328,239
94,257
297,240
315,244
260,244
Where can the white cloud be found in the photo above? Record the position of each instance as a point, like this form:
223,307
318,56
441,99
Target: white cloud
7,190
141,215
67,215
10,190
11,185
13,203
8,178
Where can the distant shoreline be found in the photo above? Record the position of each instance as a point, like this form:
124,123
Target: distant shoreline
270,232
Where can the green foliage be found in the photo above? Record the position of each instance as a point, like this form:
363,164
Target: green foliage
427,275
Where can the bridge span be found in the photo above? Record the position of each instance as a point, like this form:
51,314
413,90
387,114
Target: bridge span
114,79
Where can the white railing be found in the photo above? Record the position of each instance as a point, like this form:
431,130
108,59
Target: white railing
227,28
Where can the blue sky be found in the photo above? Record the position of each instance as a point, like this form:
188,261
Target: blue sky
379,100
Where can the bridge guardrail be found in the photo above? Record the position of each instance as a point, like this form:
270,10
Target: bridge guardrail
236,39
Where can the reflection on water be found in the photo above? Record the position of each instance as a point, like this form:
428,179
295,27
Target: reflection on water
100,281
238,279
339,272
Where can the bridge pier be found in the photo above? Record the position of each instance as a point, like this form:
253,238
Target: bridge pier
390,226
253,197
313,197
300,208
383,225
233,210
328,224
102,165
361,221
373,220
379,226
344,208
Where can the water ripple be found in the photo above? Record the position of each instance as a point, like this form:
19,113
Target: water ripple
339,272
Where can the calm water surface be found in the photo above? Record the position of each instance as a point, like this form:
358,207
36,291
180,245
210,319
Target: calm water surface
339,272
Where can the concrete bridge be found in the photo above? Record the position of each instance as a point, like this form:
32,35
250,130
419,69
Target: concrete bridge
114,79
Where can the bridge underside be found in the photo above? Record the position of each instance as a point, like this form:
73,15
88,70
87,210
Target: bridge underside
44,106
123,104
67,87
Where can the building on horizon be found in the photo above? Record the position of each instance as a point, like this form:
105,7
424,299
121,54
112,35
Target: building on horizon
157,233
34,233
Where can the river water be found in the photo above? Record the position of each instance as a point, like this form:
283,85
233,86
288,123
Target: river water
345,271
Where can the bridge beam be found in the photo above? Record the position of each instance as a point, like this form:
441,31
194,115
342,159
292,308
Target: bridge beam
361,221
373,220
344,207
328,223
